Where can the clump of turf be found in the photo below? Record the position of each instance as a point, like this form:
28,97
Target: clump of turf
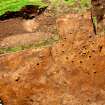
16,5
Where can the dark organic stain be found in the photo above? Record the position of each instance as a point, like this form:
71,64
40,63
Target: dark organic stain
83,53
93,50
17,79
62,44
67,58
95,72
63,51
93,64
31,100
100,48
65,38
37,64
90,36
84,46
81,62
90,56
72,61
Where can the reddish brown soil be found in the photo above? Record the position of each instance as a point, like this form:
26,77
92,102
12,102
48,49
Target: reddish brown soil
70,72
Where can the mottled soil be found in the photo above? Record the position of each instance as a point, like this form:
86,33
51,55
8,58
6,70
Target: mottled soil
19,32
70,72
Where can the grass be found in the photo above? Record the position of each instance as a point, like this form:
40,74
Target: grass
16,5
95,21
85,3
44,43
78,5
70,2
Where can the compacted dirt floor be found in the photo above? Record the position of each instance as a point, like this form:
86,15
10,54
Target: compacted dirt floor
68,72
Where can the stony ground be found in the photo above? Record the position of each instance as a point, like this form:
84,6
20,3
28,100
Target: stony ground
70,72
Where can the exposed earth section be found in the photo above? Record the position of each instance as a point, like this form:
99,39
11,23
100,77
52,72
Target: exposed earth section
70,72
17,32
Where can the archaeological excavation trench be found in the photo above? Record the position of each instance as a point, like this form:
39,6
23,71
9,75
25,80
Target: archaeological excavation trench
52,60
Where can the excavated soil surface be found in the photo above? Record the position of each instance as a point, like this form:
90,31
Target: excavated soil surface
70,72
19,32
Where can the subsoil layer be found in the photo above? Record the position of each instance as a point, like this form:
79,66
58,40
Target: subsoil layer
70,72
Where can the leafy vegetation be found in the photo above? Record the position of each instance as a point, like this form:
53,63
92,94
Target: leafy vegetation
85,3
16,5
70,2
71,5
95,21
